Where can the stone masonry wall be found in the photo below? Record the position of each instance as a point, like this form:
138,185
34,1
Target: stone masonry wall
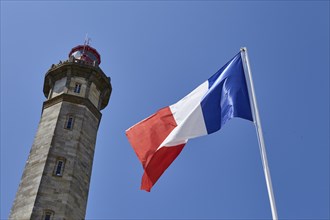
40,189
67,195
28,187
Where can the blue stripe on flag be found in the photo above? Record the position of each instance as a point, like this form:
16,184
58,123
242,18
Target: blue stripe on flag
227,96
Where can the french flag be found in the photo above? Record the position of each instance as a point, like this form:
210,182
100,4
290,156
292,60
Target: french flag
159,139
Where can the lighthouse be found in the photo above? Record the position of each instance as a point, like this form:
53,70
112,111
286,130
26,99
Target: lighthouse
56,177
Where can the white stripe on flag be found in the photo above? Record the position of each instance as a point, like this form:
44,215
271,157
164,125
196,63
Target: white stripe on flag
189,118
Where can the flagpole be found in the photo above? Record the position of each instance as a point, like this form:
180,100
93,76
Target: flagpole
257,123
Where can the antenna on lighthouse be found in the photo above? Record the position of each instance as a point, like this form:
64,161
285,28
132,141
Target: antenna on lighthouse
86,42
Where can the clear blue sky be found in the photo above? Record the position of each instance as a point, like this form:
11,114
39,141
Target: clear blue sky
156,53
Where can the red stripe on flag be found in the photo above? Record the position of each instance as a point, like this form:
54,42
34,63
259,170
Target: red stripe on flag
160,161
145,137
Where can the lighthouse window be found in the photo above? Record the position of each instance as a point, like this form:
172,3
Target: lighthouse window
48,215
77,88
59,166
69,122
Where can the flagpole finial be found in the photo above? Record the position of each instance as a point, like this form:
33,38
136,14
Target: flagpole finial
243,49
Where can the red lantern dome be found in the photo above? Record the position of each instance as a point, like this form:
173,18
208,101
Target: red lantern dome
86,53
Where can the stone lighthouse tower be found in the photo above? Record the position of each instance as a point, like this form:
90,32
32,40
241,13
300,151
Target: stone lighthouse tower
56,178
